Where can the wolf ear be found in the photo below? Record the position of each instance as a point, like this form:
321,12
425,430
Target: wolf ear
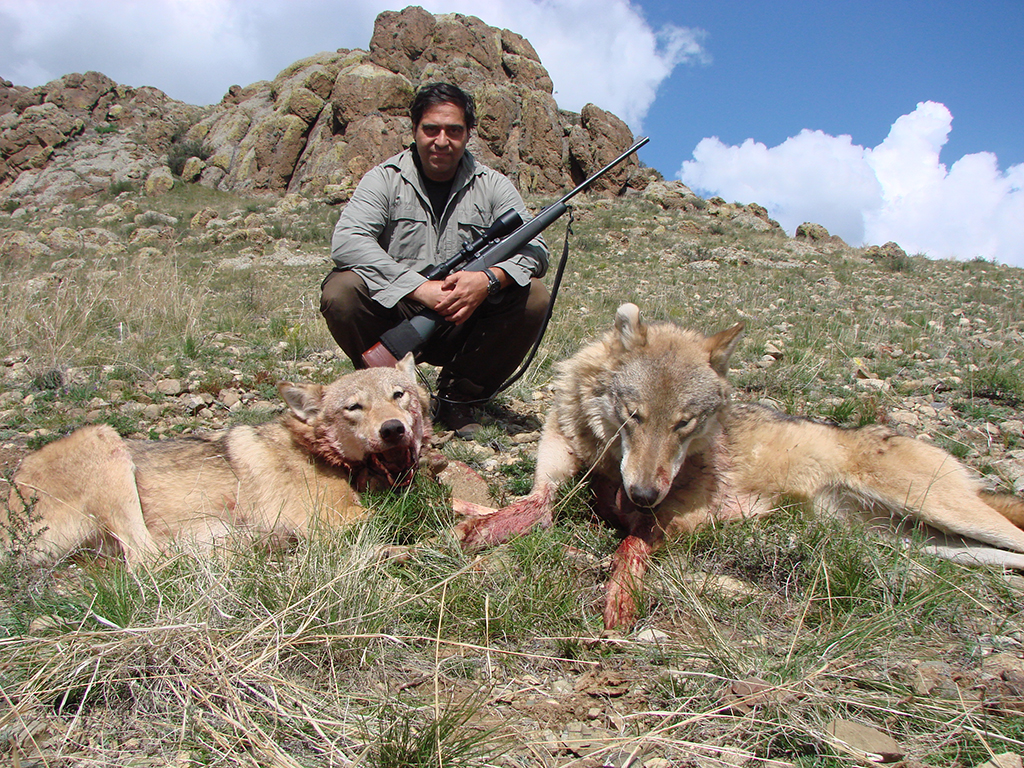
303,399
720,348
632,333
407,365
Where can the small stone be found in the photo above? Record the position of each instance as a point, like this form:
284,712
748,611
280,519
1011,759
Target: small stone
865,740
651,636
170,387
1005,760
229,397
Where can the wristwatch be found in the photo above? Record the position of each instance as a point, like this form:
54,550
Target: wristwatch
493,283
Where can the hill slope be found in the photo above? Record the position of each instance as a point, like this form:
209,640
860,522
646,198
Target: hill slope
164,315
166,304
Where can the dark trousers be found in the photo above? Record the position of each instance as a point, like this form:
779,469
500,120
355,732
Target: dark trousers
475,357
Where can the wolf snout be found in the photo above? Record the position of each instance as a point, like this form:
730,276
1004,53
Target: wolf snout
392,431
643,496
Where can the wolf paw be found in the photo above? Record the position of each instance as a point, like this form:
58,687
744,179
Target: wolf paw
484,527
628,568
619,608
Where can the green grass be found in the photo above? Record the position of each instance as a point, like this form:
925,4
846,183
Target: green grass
519,476
327,651
406,737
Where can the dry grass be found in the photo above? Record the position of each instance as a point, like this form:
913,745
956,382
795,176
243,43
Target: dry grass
329,656
110,312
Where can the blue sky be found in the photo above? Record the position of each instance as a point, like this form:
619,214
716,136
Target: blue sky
847,68
880,120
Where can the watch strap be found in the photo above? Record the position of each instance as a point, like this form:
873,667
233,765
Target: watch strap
493,284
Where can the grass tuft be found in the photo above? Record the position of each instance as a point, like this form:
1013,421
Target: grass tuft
384,643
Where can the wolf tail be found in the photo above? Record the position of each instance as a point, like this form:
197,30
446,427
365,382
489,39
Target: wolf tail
1009,507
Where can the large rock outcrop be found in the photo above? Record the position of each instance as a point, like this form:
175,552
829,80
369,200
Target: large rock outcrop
78,134
314,129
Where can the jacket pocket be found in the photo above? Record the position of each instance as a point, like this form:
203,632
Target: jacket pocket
473,221
409,234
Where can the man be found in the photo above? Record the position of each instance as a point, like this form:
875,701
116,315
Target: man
417,209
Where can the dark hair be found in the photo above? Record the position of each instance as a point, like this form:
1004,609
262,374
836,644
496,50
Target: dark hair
442,93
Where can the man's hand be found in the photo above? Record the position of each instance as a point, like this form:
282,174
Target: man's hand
462,293
428,294
457,296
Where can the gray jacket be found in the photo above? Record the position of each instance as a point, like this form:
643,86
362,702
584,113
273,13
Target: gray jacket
388,232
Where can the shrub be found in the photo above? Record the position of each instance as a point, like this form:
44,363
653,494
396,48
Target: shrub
117,187
181,151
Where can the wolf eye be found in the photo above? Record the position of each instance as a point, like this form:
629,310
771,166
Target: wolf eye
399,394
686,425
353,407
627,415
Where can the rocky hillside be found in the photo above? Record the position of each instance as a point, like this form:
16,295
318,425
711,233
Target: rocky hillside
776,645
169,305
314,129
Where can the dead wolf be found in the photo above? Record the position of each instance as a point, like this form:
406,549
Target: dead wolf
646,409
279,480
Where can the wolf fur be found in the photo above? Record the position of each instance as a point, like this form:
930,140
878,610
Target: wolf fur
646,409
279,480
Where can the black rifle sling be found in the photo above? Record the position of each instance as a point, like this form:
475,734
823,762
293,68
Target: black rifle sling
547,313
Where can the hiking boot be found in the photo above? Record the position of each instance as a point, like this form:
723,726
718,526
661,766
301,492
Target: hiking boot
458,417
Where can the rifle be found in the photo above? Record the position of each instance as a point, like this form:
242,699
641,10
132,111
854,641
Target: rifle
505,237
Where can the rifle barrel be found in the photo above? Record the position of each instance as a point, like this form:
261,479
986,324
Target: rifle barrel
503,249
640,142
503,239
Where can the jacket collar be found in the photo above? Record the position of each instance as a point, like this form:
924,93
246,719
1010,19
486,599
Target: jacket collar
406,164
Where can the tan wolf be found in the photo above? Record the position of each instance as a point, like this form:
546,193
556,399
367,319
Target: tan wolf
278,480
646,410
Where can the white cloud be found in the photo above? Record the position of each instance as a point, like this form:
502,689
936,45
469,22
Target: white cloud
576,38
188,48
195,49
897,191
810,177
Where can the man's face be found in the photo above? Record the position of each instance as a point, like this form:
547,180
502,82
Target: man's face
441,139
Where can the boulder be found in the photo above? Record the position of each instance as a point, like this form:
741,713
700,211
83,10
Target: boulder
889,252
63,239
192,169
497,112
267,156
812,232
16,245
365,89
79,92
202,218
159,181
400,39
10,94
317,126
596,141
30,140
670,195
522,63
303,103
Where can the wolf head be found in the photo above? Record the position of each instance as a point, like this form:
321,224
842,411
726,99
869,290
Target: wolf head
374,418
662,389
